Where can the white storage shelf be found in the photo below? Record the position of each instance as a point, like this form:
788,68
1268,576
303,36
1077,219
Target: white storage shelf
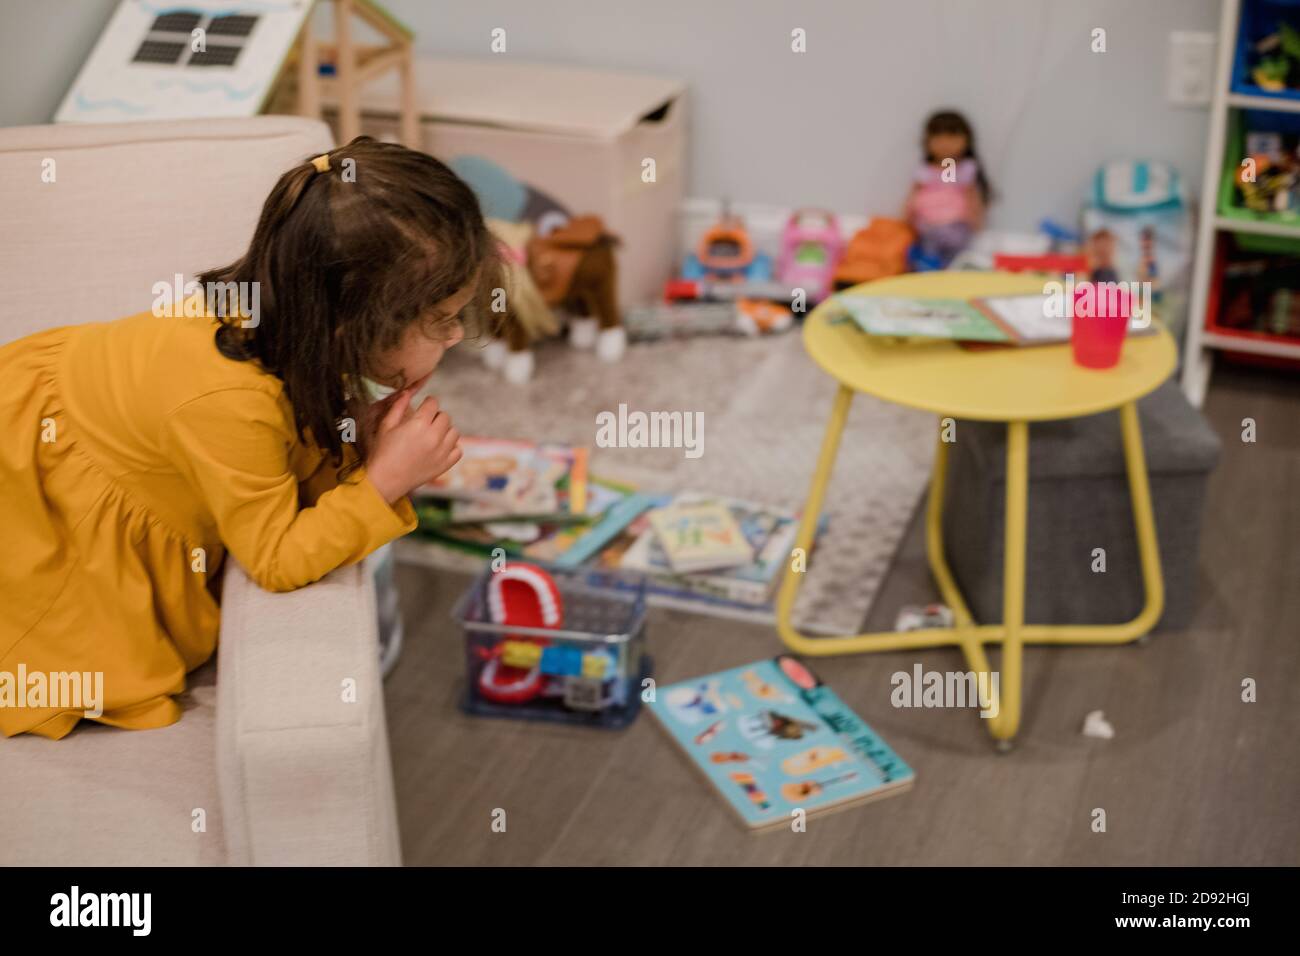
1201,342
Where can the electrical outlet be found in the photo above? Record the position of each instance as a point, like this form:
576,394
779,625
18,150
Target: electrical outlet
1189,77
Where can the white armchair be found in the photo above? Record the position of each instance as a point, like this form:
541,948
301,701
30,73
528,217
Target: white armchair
281,756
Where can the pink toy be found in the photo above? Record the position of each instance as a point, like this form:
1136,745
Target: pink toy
811,246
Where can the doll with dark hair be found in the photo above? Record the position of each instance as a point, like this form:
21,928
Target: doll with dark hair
949,190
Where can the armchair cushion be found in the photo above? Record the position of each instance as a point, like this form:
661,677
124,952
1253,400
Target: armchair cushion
302,747
108,797
284,770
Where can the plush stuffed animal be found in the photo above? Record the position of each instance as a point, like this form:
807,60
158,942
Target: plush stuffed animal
527,317
554,261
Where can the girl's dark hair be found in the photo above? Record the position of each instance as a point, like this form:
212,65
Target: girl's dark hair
345,260
952,123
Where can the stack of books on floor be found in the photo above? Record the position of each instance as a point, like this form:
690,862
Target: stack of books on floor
705,553
697,552
532,501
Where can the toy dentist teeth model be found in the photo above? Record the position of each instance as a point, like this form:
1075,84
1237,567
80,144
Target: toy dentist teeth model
521,595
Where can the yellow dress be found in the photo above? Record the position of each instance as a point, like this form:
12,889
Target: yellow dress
134,453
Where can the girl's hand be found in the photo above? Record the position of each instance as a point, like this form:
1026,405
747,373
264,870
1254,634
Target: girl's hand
411,447
376,412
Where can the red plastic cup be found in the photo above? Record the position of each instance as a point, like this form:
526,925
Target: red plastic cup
1099,321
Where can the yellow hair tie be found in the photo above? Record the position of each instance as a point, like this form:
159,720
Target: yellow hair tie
322,162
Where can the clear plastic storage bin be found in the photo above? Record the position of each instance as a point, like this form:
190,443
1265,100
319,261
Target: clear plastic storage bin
588,671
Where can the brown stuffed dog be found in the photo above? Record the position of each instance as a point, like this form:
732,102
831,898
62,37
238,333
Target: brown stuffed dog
572,268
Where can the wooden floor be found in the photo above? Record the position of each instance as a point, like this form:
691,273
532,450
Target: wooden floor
1192,776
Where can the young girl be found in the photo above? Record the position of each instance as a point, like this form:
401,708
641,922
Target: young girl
949,190
137,452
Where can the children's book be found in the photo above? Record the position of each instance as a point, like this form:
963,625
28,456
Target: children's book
1028,321
702,536
658,594
772,739
954,319
993,320
770,533
487,472
499,480
611,507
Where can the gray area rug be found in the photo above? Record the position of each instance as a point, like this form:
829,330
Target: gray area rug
765,407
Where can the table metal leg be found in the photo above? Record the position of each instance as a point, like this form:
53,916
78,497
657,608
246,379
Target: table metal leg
965,630
934,551
848,644
1007,721
1013,633
1144,524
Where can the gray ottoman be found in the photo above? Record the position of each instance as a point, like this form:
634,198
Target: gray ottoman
1078,501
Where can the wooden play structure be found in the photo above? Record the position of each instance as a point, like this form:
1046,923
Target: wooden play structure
354,64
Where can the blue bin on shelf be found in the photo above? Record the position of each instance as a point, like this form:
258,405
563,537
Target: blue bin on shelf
1259,18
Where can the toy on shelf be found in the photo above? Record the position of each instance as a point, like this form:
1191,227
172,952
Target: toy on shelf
543,645
1260,294
1276,59
874,252
949,192
811,246
554,261
726,254
1270,181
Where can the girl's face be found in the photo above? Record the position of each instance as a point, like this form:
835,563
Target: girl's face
419,352
946,146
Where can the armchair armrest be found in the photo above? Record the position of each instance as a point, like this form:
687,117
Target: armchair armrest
302,746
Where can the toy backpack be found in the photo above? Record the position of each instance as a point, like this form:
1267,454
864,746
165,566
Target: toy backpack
1136,185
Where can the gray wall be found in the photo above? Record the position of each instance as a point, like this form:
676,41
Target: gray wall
835,126
42,46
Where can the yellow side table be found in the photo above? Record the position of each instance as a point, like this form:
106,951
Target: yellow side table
1016,386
